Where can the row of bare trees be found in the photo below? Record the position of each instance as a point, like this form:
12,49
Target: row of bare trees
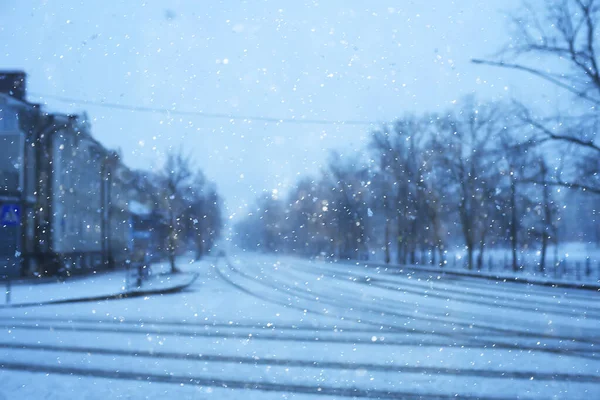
327,216
480,175
428,181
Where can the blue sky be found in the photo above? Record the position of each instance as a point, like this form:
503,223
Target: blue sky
340,60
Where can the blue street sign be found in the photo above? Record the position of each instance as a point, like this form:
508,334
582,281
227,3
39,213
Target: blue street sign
10,215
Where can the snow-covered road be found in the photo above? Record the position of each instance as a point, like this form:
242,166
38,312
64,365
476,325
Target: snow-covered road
259,326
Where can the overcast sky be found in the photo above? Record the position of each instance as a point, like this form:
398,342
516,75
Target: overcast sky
336,60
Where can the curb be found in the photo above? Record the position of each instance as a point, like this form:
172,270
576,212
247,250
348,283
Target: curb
75,276
54,279
496,277
117,296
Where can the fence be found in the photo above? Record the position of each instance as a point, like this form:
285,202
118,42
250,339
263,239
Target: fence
578,269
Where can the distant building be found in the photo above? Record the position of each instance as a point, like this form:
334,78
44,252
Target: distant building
17,172
67,203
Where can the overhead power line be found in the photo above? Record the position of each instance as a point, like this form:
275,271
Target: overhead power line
203,114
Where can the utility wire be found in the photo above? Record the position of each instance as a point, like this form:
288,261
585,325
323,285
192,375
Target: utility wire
203,114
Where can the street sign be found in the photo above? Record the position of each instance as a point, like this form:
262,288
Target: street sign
10,215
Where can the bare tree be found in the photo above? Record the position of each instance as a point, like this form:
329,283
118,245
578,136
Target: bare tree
436,202
202,217
562,33
307,227
465,148
516,162
264,228
548,228
349,194
399,154
381,204
174,182
384,187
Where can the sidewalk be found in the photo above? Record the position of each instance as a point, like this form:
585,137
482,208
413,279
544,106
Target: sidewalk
95,287
589,283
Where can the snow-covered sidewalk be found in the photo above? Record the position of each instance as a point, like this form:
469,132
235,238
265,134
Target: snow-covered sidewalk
104,285
589,283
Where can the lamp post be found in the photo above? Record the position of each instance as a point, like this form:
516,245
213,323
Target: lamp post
105,195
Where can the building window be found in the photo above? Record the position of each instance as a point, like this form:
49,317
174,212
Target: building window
9,121
11,163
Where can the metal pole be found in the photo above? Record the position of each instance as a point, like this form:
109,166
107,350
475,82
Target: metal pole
109,216
103,210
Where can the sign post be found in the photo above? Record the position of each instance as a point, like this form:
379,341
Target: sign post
10,215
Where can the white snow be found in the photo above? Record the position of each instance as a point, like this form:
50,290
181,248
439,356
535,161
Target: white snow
101,284
568,263
137,208
280,327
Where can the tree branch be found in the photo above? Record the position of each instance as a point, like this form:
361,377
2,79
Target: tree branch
578,186
589,144
539,74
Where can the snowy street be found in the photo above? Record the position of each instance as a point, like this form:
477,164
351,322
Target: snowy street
258,326
300,200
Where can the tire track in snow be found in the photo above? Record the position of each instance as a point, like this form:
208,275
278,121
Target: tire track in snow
320,390
518,333
463,295
482,342
303,295
377,324
483,284
323,298
145,322
373,282
277,337
369,367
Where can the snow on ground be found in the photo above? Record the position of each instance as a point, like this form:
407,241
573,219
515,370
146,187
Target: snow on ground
258,326
97,285
570,262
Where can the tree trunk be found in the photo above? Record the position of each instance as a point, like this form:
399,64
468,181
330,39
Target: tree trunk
470,256
467,229
480,255
172,262
171,244
543,252
172,253
199,249
547,218
401,256
413,242
513,223
387,241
